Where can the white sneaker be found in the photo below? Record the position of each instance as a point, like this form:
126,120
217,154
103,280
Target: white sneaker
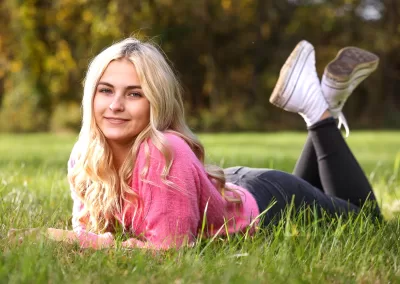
342,75
298,88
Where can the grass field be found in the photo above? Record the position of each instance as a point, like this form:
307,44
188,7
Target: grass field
34,193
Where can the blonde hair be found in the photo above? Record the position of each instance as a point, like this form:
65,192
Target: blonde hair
102,189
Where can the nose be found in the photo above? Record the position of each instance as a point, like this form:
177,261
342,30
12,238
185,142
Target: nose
117,104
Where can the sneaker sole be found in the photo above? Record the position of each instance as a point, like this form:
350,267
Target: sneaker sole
350,63
290,74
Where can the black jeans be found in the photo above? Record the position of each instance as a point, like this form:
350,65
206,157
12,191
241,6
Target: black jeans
326,176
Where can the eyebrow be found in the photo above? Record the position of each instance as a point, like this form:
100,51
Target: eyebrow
127,87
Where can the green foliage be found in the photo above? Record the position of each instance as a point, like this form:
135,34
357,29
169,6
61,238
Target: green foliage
66,117
227,53
20,110
34,193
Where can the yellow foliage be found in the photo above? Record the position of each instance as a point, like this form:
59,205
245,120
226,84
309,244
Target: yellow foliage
226,4
265,30
87,16
16,66
218,47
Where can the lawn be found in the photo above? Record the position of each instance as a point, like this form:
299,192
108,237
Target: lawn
34,193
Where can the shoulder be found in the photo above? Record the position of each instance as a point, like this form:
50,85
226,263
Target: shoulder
176,142
180,149
173,147
173,143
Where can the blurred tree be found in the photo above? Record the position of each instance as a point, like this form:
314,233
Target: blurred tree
227,54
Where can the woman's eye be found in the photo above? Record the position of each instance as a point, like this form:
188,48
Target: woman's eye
135,95
105,90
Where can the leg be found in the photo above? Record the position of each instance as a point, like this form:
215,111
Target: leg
307,165
342,75
282,188
327,163
339,171
298,90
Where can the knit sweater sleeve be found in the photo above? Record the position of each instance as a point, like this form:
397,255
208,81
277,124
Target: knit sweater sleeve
171,205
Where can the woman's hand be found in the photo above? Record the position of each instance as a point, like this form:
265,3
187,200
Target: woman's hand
21,234
84,239
35,233
129,243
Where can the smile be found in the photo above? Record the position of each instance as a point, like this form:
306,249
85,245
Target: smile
116,120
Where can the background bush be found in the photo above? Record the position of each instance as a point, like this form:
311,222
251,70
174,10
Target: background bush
227,53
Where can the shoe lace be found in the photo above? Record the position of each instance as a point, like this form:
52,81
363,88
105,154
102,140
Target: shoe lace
343,121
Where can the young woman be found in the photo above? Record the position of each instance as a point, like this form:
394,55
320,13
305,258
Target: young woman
137,166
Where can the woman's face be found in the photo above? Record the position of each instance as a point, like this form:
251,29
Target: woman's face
120,108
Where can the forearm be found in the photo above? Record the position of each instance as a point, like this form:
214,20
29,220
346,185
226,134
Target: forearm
83,238
61,235
135,243
90,240
97,241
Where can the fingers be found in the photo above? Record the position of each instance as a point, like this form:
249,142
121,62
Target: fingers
102,240
20,235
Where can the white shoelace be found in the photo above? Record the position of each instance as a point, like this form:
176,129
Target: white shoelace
343,121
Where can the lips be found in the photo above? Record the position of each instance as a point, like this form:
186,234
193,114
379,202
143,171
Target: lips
116,120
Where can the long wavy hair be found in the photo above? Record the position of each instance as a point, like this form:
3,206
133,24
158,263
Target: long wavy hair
103,190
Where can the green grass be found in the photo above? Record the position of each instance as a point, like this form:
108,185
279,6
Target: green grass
34,193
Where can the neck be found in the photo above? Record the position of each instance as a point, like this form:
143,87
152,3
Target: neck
119,152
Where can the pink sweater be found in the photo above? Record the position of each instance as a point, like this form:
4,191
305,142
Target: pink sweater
170,215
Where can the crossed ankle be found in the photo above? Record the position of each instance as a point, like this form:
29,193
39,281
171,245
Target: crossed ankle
326,121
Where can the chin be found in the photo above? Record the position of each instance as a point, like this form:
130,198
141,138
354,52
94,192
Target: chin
118,138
